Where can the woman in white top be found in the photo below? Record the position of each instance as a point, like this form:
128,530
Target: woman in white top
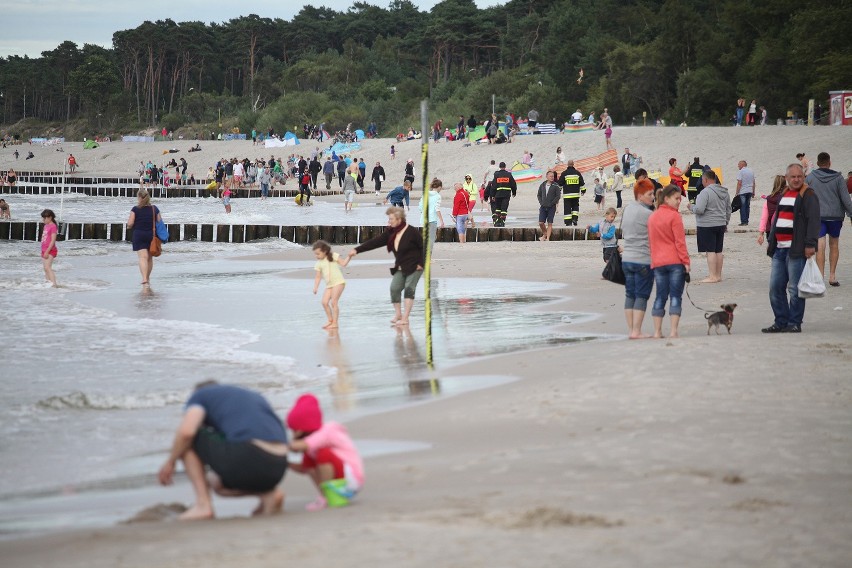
752,113
617,185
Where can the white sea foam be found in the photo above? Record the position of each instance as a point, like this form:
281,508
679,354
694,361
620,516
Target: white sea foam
82,401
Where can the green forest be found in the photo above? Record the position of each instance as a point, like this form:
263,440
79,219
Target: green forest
676,60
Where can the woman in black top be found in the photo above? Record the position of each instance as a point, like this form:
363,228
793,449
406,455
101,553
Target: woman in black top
409,172
378,176
143,216
406,243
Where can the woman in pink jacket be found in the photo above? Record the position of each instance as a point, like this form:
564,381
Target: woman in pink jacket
669,258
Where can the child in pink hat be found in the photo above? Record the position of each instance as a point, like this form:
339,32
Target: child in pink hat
328,451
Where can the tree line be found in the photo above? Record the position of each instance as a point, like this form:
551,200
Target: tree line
676,60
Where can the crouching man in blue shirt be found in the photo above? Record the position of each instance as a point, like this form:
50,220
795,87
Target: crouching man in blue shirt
235,433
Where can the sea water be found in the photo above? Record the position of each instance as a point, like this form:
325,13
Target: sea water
94,374
79,208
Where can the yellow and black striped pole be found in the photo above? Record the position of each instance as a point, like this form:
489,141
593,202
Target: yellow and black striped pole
427,263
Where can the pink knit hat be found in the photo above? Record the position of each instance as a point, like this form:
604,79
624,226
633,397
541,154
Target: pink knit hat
306,415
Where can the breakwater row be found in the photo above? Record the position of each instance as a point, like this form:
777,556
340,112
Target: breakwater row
158,192
347,234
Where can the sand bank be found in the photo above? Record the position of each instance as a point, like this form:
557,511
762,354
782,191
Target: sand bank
767,149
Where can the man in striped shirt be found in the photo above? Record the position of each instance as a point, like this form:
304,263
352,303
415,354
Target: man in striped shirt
792,241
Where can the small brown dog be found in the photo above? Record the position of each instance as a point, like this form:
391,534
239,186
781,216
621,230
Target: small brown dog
725,317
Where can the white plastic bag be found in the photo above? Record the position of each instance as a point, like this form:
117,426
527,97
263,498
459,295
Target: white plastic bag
811,284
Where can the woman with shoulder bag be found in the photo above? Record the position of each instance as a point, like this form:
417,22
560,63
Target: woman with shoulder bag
142,220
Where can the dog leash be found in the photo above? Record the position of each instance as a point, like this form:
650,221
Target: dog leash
686,289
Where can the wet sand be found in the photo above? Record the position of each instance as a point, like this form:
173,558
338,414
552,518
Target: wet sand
701,451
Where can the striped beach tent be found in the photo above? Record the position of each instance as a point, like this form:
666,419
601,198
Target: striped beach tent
524,173
608,158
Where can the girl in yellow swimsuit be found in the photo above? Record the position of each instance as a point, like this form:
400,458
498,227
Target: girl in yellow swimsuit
328,269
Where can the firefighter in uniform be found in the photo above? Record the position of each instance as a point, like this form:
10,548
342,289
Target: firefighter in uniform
573,185
504,183
694,173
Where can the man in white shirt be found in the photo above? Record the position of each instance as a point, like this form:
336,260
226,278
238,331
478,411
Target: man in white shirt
577,117
745,189
239,172
489,172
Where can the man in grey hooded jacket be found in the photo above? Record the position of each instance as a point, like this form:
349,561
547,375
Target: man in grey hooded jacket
712,210
549,195
834,204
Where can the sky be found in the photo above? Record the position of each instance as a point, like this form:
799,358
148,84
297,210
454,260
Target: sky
33,26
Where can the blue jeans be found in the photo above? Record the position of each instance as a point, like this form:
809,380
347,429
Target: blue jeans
670,280
637,288
745,207
788,307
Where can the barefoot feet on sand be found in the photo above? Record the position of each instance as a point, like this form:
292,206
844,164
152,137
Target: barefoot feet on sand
710,280
270,504
196,513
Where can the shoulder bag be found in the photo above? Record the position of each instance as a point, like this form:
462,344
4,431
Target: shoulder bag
161,229
156,246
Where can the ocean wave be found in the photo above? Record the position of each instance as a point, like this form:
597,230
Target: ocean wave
29,250
87,248
81,401
35,283
259,246
25,283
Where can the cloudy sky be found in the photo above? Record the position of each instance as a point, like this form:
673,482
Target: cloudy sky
33,26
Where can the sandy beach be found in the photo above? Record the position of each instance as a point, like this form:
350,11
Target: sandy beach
730,450
768,149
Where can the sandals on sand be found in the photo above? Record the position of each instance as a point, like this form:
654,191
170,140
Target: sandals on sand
835,283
